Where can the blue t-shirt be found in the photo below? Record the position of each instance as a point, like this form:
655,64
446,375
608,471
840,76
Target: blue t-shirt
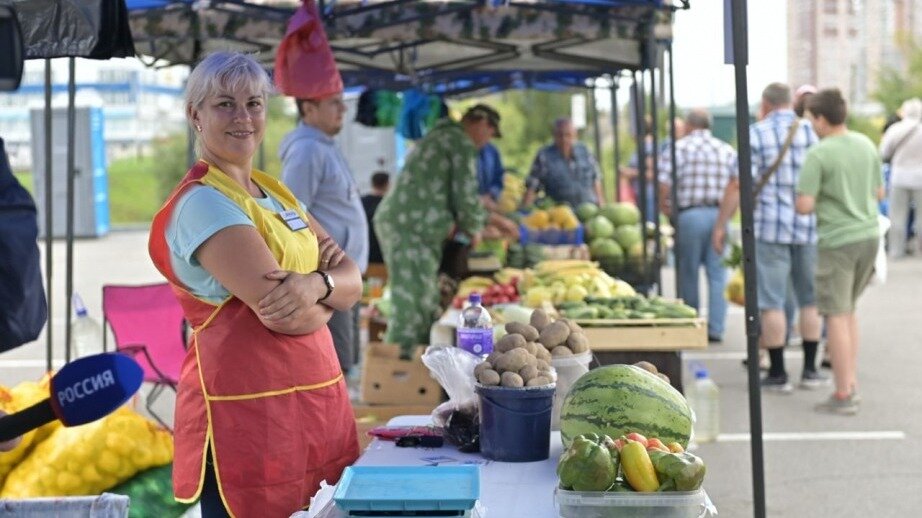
200,213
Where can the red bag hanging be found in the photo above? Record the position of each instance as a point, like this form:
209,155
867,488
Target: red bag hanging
304,65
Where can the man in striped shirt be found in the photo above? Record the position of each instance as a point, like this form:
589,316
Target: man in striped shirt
704,167
785,240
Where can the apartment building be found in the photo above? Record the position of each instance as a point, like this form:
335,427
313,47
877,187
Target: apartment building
846,43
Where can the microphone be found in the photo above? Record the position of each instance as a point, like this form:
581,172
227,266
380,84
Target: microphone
83,391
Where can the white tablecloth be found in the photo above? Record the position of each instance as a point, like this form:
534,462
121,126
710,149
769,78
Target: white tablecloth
507,489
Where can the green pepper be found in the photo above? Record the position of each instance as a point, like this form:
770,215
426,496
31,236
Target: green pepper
678,471
586,465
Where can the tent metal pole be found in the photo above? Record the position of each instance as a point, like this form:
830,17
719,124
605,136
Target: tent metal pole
640,127
71,172
49,237
595,128
674,187
615,136
657,246
740,60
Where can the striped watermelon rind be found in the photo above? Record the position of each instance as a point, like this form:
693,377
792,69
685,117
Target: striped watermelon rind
619,399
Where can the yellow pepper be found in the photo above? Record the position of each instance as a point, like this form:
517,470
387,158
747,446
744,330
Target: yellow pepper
638,468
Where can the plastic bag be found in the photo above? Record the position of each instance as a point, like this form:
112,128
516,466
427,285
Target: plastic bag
304,64
880,262
453,368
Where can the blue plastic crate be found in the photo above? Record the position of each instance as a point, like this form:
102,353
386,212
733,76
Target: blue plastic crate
550,237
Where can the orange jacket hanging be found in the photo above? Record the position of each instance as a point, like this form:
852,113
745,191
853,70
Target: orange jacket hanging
273,407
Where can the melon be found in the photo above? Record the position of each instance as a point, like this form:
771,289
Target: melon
616,400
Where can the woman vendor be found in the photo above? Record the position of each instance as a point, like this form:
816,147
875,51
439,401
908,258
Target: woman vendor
262,411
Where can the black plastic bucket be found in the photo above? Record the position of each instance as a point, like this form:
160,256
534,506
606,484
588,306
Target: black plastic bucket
515,423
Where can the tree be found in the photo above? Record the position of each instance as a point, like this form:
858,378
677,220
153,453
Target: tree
895,86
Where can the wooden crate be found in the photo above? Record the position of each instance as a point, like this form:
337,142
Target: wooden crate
646,335
388,380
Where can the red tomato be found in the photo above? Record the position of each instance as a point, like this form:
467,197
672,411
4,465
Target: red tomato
634,436
656,444
509,291
502,299
457,303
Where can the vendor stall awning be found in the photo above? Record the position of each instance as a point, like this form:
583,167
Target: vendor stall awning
415,38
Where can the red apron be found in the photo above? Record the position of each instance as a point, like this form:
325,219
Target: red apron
273,407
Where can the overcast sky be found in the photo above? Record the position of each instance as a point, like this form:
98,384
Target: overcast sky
702,78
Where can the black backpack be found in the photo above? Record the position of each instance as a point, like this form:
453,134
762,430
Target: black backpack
23,310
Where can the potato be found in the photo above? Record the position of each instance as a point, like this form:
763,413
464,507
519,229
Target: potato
509,342
538,381
482,366
490,378
493,357
528,372
577,342
647,366
574,327
527,331
554,334
532,348
664,377
561,350
512,379
514,360
543,365
532,360
539,319
543,354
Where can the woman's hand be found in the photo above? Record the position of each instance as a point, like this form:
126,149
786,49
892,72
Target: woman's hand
330,254
296,293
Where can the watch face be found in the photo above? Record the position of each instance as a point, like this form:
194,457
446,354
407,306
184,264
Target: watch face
330,282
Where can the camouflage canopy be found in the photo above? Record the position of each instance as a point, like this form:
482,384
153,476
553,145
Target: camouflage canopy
383,41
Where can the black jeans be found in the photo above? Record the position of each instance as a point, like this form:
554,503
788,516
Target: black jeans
212,506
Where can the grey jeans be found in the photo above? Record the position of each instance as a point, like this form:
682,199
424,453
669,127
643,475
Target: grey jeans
344,326
901,199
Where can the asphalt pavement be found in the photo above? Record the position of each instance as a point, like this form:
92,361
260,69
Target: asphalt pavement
816,465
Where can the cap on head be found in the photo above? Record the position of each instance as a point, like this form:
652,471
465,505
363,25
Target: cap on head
484,111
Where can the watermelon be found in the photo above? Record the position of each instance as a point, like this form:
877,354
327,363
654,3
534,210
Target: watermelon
619,399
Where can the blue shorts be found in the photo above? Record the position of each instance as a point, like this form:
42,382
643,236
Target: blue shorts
780,267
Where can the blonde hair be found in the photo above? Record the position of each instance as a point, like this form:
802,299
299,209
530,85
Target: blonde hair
224,72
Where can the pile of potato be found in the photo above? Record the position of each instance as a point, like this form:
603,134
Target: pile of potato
522,358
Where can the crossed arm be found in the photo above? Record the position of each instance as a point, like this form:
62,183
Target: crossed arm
286,302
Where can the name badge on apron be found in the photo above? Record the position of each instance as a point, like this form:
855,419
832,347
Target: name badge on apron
293,220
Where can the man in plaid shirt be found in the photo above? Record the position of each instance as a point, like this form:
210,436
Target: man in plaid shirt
704,167
785,240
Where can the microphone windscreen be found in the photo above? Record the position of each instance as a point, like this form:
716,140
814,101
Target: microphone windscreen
91,387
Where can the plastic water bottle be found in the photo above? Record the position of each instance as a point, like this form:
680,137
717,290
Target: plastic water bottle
475,329
705,401
85,331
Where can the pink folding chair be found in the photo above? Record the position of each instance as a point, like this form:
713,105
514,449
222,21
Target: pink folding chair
148,324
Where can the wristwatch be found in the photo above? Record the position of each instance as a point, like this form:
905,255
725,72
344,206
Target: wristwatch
328,280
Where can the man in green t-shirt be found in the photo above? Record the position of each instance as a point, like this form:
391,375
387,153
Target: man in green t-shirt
841,181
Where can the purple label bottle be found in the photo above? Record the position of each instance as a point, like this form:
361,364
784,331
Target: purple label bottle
475,328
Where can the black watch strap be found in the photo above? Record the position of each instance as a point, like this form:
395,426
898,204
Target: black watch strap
328,282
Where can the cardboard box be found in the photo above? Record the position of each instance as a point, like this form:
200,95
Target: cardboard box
388,380
648,336
370,416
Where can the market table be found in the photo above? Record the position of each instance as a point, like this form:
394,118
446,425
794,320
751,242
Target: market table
507,489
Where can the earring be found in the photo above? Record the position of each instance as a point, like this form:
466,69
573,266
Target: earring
198,127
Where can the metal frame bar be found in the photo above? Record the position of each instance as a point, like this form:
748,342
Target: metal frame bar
548,50
615,126
71,174
49,218
640,128
738,10
674,187
657,245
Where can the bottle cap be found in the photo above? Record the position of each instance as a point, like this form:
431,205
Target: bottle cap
701,373
79,307
474,298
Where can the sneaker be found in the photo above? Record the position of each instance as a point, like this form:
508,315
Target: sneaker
777,384
834,405
812,379
715,339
